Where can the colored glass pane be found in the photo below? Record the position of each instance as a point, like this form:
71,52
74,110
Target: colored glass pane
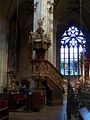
62,65
75,39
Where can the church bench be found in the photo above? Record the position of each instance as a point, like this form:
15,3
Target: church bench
19,97
17,100
84,114
4,111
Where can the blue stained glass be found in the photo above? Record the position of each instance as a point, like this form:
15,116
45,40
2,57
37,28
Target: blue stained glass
66,72
62,49
62,56
76,33
72,27
75,65
66,60
66,55
65,38
71,66
62,60
71,55
65,34
69,33
75,49
76,29
66,66
62,72
71,72
81,34
66,49
76,72
62,65
72,37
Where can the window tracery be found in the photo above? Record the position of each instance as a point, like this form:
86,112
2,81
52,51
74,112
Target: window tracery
72,45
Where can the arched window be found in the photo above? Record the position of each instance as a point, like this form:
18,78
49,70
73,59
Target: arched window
72,45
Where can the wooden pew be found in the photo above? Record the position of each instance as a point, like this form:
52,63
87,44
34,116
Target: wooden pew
4,111
17,100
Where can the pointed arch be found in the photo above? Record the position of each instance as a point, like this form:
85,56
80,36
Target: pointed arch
72,44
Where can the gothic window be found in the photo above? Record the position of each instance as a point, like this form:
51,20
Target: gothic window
72,45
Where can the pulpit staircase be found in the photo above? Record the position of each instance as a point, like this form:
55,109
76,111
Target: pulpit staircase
43,70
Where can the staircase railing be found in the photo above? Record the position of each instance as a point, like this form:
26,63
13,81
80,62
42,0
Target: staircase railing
43,68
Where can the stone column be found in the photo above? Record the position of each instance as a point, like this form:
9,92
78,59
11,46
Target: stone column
3,56
40,13
50,30
43,10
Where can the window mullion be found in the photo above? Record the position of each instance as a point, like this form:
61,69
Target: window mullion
64,59
69,61
78,59
73,61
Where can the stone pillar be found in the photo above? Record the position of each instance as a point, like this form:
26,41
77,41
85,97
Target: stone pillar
43,10
3,56
50,29
40,13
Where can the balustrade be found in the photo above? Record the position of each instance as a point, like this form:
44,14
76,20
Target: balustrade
43,68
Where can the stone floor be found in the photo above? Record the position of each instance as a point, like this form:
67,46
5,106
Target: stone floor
47,113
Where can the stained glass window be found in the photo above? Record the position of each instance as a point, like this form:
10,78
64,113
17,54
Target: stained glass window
72,45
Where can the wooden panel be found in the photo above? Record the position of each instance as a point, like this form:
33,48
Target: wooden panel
38,100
